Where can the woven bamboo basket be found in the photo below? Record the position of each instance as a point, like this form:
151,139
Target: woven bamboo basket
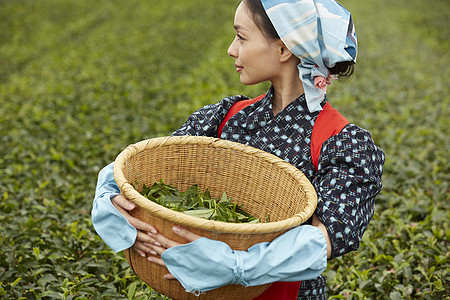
268,188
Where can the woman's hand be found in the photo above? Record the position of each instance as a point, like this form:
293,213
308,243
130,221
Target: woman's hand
160,243
148,241
143,238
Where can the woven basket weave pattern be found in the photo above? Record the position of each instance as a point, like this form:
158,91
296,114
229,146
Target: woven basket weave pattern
267,187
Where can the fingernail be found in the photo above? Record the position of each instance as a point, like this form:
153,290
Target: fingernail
142,254
150,259
176,229
153,253
157,244
130,206
154,231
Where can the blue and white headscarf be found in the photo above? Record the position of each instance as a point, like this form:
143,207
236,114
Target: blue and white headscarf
320,33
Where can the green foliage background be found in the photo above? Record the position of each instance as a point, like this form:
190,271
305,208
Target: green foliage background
80,80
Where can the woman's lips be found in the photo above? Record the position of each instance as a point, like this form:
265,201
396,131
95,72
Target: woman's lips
239,68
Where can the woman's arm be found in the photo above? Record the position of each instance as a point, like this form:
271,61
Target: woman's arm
108,222
349,178
111,218
203,265
110,210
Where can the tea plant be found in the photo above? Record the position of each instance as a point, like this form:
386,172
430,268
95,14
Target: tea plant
80,80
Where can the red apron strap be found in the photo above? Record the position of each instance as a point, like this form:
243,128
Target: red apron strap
239,105
329,122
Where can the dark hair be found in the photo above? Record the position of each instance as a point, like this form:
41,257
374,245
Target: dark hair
261,19
343,69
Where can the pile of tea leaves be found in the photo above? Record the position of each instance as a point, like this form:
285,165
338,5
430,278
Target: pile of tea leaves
195,202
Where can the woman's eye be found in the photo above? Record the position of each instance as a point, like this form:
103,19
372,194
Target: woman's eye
239,37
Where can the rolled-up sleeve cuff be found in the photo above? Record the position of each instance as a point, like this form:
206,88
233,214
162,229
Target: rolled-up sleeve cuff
108,222
111,226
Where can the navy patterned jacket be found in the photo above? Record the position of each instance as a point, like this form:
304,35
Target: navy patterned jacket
350,164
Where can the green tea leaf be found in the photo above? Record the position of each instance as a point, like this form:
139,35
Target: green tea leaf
200,213
196,203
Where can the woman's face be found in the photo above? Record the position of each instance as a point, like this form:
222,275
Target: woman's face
256,57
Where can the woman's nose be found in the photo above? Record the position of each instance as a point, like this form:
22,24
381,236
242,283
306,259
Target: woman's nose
232,50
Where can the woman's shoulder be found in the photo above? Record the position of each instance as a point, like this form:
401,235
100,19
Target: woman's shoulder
219,108
207,119
352,142
224,104
354,134
234,99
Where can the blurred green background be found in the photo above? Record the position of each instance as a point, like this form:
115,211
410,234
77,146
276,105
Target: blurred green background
80,80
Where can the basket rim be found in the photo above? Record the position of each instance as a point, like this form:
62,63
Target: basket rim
132,194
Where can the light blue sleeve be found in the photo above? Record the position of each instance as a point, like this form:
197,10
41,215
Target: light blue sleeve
203,265
108,222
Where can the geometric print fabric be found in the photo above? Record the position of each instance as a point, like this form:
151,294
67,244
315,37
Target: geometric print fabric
349,169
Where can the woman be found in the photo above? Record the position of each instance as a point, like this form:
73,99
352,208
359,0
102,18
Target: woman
298,46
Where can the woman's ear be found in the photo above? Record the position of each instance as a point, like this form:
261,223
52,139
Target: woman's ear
285,54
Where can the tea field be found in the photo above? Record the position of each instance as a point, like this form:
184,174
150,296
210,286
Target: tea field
80,80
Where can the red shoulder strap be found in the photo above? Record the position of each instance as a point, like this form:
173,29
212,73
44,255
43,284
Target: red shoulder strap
239,105
329,122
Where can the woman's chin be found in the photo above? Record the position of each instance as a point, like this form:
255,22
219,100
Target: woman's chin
246,81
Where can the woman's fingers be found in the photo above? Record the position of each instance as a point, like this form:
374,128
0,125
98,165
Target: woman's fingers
144,237
148,242
186,234
169,276
141,225
157,260
123,202
145,249
140,252
161,242
142,249
123,205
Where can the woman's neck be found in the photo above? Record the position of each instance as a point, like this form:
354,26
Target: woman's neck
285,92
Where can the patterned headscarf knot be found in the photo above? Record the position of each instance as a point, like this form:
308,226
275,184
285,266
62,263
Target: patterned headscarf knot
319,32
